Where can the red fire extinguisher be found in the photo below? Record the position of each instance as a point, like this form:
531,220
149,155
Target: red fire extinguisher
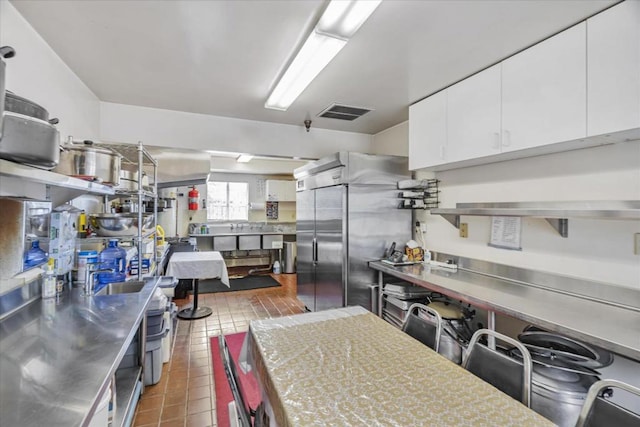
194,195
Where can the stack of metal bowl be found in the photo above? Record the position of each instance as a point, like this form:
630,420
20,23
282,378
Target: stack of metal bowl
119,224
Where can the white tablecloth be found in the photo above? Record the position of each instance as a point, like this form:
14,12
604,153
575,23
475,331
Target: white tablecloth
198,265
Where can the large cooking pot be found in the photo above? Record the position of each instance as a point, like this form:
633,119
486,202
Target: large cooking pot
28,134
563,371
558,388
455,329
5,52
84,160
29,140
556,346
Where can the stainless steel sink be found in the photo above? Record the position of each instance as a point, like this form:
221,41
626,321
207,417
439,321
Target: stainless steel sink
121,288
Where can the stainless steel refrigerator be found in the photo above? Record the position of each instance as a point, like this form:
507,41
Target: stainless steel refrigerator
346,215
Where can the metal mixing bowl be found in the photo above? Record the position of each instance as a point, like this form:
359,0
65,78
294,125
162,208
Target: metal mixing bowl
119,224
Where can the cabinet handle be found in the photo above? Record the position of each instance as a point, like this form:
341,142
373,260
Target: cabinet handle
314,250
506,141
496,141
442,152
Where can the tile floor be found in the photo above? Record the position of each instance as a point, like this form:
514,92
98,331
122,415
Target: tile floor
185,394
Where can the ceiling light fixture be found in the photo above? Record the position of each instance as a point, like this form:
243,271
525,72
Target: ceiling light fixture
244,158
336,26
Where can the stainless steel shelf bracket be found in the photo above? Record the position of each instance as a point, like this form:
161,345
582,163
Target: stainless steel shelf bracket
561,225
453,219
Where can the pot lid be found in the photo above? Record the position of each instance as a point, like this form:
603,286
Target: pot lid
446,310
87,145
576,352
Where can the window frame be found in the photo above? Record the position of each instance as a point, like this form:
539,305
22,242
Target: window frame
227,206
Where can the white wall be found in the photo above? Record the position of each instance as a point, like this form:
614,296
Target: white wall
181,216
393,141
37,73
166,128
600,250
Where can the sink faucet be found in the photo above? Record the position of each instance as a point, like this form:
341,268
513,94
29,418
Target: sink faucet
90,275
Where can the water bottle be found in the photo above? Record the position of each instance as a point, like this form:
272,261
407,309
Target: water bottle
34,256
114,258
49,282
276,267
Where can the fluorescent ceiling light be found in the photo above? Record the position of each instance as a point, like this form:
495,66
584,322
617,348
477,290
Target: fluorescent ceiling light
244,158
339,22
343,18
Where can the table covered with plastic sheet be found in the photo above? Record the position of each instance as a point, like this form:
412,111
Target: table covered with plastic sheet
348,367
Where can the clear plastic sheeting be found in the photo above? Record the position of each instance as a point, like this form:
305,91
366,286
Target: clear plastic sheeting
348,367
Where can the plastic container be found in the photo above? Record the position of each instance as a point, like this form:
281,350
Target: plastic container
130,358
153,357
166,341
34,256
154,321
85,258
115,258
168,285
276,267
49,282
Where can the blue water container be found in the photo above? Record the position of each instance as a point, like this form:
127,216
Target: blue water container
34,256
115,258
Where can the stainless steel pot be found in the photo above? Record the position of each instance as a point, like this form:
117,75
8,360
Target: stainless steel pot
559,395
29,140
17,104
454,338
5,52
83,160
562,373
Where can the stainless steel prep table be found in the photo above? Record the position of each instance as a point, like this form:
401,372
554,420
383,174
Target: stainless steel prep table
57,357
611,327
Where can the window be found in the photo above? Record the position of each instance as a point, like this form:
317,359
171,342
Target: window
227,201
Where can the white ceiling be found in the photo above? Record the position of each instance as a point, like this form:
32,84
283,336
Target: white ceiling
223,57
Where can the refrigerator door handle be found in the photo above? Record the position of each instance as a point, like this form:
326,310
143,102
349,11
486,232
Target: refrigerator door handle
314,249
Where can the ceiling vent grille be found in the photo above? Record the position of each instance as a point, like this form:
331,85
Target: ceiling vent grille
343,112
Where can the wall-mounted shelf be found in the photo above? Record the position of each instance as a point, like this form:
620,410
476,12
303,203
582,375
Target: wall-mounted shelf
61,188
556,213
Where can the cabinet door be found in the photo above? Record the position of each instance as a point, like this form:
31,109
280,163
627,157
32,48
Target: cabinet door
544,96
613,65
473,116
428,131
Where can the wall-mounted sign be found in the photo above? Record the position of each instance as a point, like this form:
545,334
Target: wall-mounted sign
272,210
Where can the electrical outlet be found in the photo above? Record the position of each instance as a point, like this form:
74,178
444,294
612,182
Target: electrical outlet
464,230
636,243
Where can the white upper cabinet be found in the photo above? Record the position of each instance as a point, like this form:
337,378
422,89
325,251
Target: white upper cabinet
613,64
428,132
280,190
577,89
544,92
473,116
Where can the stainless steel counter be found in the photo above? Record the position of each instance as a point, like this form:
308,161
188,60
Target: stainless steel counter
611,327
57,357
242,233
